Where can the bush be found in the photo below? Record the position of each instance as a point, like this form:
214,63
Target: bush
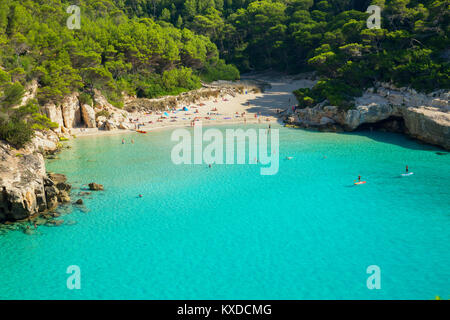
85,98
220,71
16,132
13,93
103,113
337,92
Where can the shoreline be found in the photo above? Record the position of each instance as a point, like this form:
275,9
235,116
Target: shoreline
205,123
225,110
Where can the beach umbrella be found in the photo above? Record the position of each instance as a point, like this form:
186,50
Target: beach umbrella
166,114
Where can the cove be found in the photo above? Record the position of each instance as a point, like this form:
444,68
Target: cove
228,232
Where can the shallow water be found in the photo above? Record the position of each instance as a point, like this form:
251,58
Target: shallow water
230,233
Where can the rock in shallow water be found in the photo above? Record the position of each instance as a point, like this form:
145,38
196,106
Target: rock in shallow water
95,186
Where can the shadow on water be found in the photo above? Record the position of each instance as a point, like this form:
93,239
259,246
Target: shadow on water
398,139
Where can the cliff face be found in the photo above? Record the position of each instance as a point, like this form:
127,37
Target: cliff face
429,125
73,116
25,188
425,117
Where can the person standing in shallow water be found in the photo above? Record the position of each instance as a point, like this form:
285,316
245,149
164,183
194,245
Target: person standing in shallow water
123,141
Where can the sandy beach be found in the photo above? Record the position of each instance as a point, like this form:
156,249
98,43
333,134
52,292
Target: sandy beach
246,108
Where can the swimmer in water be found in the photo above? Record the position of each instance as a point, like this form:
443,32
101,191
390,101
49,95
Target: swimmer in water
209,165
140,196
132,141
123,141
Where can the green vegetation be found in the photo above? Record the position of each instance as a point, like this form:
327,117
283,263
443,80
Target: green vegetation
327,36
110,52
151,48
103,113
17,124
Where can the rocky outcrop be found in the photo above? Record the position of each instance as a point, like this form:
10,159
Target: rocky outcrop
71,111
425,117
54,113
88,116
219,90
95,186
72,116
428,124
109,117
30,92
25,188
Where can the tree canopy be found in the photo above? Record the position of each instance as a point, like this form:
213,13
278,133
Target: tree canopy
158,47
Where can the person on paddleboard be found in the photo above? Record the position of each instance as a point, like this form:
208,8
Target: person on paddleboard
359,178
407,169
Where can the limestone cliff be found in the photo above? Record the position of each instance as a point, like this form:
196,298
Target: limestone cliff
73,117
425,117
25,187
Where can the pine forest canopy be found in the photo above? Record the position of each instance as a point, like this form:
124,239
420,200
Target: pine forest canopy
151,48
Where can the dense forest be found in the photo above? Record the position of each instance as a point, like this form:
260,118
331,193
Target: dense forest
330,37
151,48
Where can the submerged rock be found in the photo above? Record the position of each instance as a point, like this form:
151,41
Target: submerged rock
79,202
95,186
54,223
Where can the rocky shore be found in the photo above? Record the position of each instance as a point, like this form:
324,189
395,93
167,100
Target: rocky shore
26,189
425,117
75,117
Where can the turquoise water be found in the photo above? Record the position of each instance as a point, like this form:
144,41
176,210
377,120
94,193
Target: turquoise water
230,233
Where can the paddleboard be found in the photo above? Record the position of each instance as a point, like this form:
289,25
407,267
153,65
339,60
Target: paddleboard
407,174
362,182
